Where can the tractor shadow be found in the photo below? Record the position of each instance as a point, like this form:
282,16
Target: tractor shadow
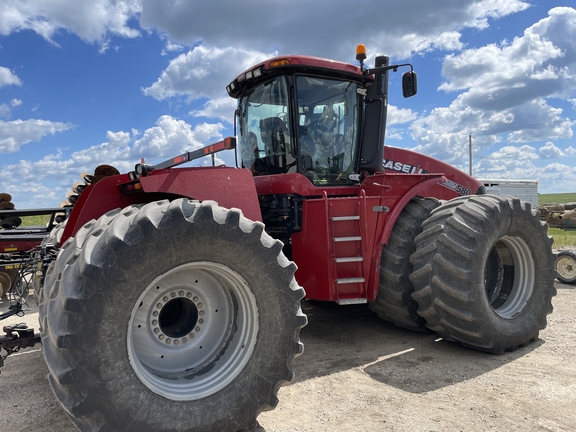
339,338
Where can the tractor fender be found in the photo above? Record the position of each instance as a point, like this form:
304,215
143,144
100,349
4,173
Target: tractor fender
416,190
408,162
229,187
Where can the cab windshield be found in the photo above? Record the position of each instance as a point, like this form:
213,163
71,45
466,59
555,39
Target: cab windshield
319,140
328,113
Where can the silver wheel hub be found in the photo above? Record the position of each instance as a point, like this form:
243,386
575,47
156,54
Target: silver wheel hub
510,276
192,330
566,267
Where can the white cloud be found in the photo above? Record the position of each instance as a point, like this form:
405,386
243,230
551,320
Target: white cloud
540,63
171,137
6,109
556,177
525,163
171,47
8,78
514,154
221,108
119,139
94,21
202,72
168,137
507,92
397,115
14,134
550,151
435,25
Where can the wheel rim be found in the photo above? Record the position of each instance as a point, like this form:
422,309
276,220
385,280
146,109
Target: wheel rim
509,276
192,330
566,267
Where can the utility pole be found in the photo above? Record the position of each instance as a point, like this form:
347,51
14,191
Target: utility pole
470,152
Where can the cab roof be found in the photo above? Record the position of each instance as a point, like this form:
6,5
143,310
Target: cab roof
295,64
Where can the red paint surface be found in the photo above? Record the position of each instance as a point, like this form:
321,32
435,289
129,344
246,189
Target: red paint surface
229,187
314,249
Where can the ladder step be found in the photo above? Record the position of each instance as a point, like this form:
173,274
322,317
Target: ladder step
350,280
347,239
345,218
348,259
352,301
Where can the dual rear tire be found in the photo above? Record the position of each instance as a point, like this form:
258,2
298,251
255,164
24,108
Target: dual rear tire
482,274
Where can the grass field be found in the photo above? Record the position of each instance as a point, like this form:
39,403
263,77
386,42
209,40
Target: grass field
562,198
563,239
40,220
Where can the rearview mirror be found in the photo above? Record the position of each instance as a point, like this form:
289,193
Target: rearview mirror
409,84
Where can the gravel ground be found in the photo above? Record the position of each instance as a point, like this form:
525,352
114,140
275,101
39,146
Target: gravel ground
361,374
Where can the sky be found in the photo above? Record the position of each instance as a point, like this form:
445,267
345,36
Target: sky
113,81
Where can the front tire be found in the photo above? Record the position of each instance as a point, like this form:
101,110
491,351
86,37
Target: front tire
483,272
53,238
175,316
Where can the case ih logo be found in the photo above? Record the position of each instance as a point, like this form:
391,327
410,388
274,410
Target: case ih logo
403,167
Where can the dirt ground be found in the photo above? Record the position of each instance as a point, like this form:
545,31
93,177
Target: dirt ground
361,374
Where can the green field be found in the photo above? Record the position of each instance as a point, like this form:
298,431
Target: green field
562,239
562,198
40,220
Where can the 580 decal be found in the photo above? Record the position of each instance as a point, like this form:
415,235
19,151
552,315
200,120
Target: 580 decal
458,188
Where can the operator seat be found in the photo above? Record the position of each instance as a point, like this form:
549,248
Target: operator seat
276,141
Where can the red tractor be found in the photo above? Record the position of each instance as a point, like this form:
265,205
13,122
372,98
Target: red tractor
170,298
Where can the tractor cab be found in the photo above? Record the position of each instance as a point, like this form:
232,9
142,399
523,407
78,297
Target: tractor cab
306,115
315,132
